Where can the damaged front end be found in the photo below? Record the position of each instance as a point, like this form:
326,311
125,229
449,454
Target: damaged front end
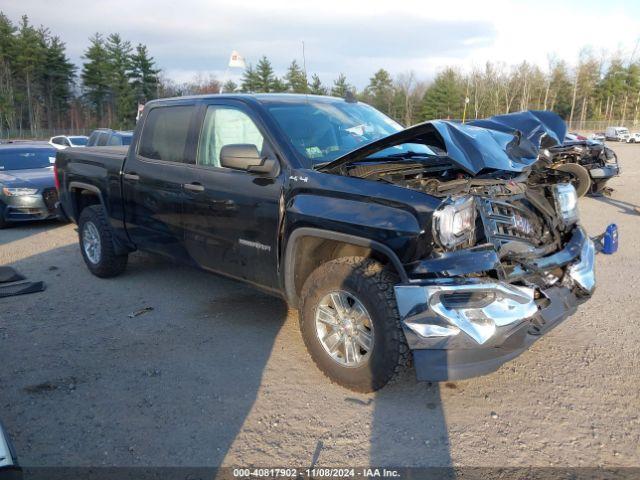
506,259
504,270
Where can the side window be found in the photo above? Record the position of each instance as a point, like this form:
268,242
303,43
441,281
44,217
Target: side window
93,139
65,141
165,133
226,126
56,140
102,139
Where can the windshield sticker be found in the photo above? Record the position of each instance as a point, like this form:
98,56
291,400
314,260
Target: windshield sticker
313,152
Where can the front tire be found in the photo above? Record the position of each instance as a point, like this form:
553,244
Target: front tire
581,179
96,243
350,323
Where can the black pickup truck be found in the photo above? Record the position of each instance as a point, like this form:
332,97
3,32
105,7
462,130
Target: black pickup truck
449,244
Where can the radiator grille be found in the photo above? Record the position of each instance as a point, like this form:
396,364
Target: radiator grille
510,221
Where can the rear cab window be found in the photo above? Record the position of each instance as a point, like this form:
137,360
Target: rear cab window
102,139
165,134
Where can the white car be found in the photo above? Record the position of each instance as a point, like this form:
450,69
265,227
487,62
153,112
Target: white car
617,134
634,138
65,141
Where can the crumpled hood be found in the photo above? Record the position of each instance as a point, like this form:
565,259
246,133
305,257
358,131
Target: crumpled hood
508,142
31,178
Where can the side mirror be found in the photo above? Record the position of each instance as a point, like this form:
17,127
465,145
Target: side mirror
242,156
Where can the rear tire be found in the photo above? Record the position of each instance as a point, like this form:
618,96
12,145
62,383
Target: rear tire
96,243
581,179
367,284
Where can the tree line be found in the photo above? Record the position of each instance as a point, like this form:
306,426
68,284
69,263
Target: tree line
41,89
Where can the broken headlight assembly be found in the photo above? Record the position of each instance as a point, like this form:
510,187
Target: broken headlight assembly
566,201
454,222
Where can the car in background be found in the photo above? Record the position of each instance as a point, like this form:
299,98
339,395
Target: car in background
576,135
617,134
103,137
597,136
65,141
27,183
634,138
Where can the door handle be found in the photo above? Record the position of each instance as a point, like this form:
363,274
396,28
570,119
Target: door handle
193,187
131,176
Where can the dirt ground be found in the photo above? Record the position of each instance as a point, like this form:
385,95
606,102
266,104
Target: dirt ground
217,374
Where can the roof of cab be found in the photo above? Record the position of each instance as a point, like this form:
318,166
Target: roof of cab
261,98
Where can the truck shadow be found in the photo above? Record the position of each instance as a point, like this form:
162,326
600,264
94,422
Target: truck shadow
624,207
409,427
159,367
92,377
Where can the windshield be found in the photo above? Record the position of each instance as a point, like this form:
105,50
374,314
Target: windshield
78,140
24,159
323,131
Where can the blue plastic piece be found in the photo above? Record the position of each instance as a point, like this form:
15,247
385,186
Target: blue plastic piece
610,239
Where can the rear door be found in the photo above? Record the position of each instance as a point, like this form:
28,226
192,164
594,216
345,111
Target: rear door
153,177
231,217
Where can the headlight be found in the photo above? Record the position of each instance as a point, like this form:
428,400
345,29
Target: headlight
454,222
14,192
566,202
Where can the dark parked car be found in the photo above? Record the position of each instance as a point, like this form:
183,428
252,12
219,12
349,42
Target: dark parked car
440,240
27,183
105,137
591,163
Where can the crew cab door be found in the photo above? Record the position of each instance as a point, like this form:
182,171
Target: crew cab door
231,217
153,178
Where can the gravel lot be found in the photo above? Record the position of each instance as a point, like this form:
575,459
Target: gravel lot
217,374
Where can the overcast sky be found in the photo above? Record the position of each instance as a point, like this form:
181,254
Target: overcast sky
188,37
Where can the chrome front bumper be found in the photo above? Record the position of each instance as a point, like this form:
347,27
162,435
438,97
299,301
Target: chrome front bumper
491,321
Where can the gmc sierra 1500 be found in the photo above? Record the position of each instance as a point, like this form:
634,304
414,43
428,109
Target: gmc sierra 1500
450,242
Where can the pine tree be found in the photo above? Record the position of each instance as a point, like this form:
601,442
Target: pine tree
29,61
316,87
380,93
58,75
250,80
265,76
296,79
445,97
119,53
96,75
341,87
144,75
230,86
7,82
278,85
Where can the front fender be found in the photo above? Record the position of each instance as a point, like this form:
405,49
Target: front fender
391,226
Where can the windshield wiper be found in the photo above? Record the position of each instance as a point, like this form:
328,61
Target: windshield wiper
409,154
